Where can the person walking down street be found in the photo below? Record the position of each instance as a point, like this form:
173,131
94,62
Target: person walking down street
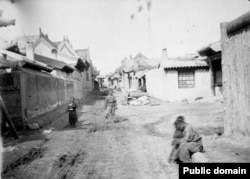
186,142
72,112
110,105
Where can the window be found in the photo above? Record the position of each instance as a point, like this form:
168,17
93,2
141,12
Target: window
186,79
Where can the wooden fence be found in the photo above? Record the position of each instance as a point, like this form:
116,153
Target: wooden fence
236,75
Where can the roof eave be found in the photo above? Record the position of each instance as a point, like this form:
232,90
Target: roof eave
190,67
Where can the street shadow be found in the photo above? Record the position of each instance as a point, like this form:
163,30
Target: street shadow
36,135
100,125
24,136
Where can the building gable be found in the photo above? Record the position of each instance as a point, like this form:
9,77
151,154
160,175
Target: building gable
42,48
66,50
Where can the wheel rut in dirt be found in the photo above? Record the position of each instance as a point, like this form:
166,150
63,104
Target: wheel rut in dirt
66,164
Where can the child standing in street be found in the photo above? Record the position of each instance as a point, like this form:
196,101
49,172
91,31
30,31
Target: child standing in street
72,112
110,105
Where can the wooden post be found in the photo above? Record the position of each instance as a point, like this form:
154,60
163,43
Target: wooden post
226,77
5,117
211,71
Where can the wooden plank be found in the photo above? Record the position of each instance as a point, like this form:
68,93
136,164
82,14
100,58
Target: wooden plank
6,118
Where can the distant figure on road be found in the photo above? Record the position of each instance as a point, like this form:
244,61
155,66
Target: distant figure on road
186,142
110,105
72,112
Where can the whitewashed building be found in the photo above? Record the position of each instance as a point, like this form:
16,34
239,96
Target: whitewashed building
179,78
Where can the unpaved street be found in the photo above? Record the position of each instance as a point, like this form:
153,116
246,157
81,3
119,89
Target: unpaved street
137,146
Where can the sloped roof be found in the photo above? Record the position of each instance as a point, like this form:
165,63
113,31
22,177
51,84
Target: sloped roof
140,60
129,65
140,74
14,60
65,44
115,76
140,56
56,43
210,49
4,44
54,63
81,64
82,52
174,63
139,63
21,41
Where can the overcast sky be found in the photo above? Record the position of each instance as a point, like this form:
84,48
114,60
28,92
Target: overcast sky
106,26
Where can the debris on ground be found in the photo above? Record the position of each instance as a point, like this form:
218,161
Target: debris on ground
185,100
155,104
198,98
119,106
214,99
33,126
144,100
136,94
47,131
199,157
10,149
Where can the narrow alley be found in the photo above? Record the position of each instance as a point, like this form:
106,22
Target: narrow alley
137,145
115,89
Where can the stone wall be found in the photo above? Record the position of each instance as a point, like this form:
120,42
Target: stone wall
35,94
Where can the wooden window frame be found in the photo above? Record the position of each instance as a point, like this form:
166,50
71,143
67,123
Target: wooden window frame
186,79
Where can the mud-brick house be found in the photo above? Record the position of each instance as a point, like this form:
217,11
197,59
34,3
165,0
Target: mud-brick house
90,72
235,40
29,91
134,69
100,79
115,81
69,55
141,77
179,78
212,54
59,55
128,69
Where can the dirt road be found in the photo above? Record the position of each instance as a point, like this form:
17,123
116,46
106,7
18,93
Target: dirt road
137,146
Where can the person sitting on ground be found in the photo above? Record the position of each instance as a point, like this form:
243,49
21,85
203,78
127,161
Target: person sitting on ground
110,105
186,142
72,112
176,137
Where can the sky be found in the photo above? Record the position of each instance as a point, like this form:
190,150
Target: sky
117,29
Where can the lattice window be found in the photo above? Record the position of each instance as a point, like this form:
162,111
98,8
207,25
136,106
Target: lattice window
186,79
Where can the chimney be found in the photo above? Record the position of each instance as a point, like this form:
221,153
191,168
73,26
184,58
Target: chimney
164,54
164,58
29,50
